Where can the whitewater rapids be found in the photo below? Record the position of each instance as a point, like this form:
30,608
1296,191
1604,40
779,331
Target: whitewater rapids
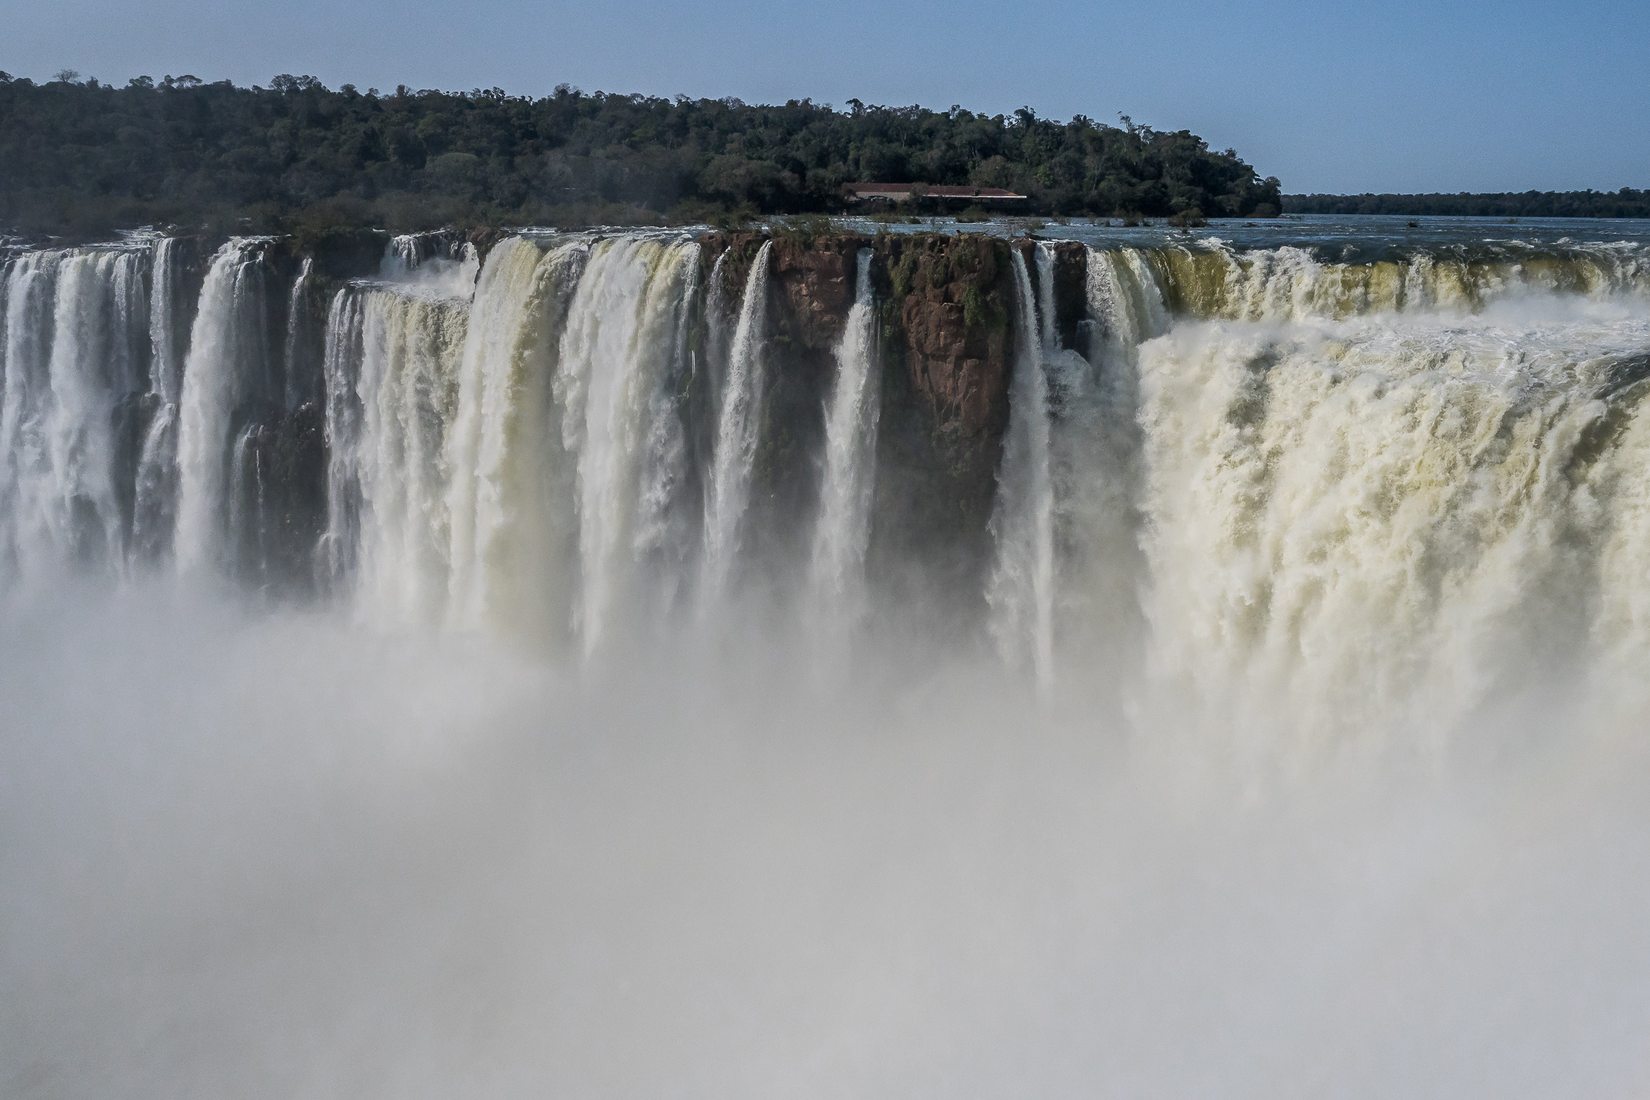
1298,750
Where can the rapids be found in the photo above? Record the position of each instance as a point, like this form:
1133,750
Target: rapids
421,684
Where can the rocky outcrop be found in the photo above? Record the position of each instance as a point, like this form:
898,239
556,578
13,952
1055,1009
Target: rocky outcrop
951,299
947,315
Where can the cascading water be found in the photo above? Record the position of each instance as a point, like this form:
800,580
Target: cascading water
739,415
511,554
341,370
89,370
617,352
439,260
562,446
843,530
1384,515
1020,591
166,365
1377,521
226,362
76,353
1291,283
298,380
407,388
155,481
26,490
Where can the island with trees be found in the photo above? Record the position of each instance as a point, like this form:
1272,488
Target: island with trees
83,157
1625,203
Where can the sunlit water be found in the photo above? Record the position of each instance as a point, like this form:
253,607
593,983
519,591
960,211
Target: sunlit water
1295,748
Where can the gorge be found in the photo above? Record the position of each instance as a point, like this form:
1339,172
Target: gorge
825,659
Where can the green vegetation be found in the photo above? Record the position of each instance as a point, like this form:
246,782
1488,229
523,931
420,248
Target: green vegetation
85,157
1626,203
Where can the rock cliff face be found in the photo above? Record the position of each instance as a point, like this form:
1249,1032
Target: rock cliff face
946,316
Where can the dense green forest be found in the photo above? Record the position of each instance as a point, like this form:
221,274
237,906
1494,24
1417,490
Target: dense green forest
1626,203
82,156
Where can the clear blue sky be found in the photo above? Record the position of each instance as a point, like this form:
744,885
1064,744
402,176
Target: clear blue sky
1404,96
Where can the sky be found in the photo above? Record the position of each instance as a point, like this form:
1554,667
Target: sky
1407,95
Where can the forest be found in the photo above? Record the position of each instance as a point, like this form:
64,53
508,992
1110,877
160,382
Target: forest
84,157
1626,203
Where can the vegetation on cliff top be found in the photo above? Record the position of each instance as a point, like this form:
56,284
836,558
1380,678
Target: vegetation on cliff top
1626,203
83,156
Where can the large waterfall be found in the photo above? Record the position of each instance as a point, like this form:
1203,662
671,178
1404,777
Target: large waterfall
638,662
225,365
843,529
738,417
1022,580
1253,474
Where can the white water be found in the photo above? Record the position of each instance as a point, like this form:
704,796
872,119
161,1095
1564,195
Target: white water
408,389
340,371
27,486
1389,518
616,356
84,518
166,369
1368,822
1021,587
739,415
155,480
842,531
225,345
292,350
75,346
510,476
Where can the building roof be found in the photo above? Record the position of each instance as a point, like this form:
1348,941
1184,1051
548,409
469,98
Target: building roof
905,190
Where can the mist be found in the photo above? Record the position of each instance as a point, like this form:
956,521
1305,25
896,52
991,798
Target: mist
540,674
270,853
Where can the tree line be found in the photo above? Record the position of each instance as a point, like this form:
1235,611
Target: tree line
83,156
1625,203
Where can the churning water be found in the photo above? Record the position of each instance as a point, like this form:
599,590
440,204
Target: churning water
1291,743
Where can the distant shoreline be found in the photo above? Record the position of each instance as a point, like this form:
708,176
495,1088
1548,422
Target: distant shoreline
1625,203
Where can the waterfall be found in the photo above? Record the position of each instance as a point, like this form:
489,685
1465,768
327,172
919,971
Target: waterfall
341,369
1125,298
408,389
165,376
1097,446
717,310
76,352
247,499
26,489
1020,590
1407,481
1292,283
510,483
155,480
402,255
667,523
439,260
1388,515
155,485
224,365
616,353
87,375
297,373
843,529
738,421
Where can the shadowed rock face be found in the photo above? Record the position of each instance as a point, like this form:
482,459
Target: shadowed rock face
946,318
946,344
952,296
946,340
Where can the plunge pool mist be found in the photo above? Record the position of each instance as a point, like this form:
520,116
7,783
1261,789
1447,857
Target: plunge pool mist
516,671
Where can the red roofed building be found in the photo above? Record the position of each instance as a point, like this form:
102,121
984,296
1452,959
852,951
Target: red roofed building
907,192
